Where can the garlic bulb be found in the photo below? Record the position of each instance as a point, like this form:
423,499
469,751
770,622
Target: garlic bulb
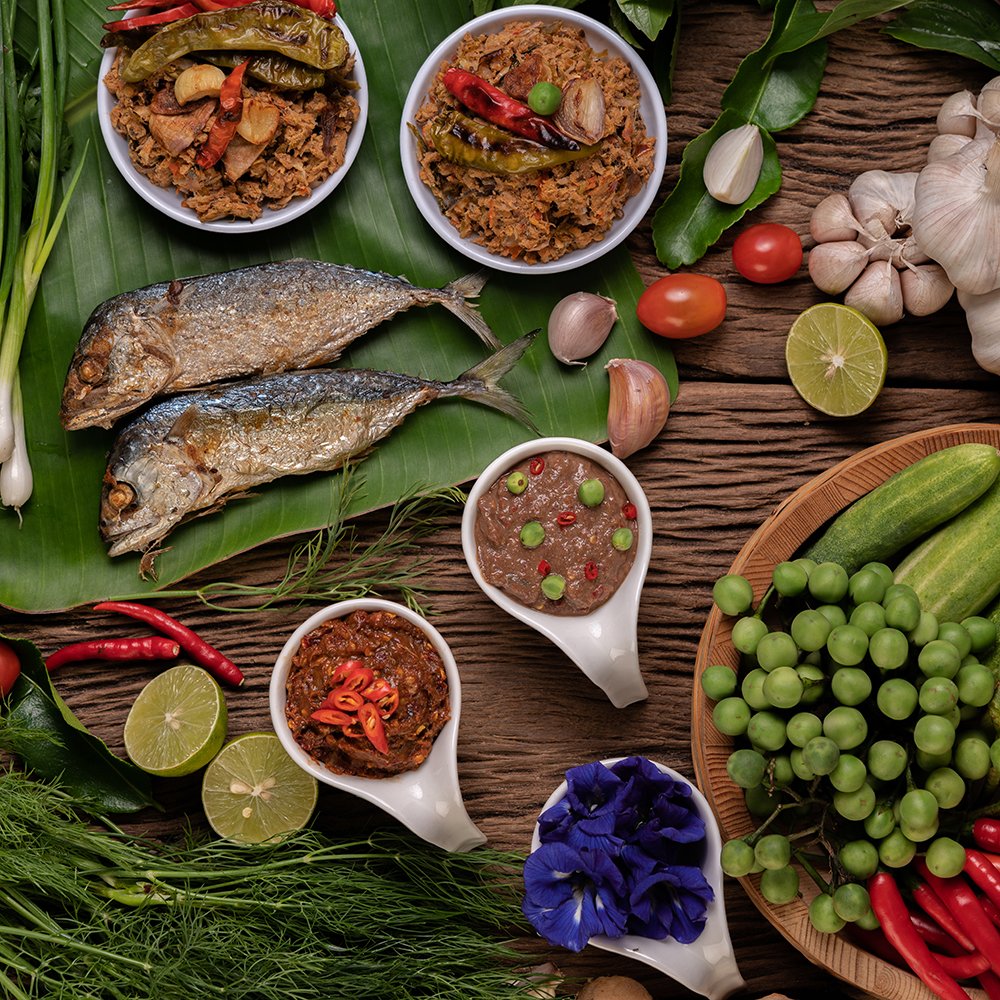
942,146
957,115
833,266
956,219
982,312
579,324
878,294
925,289
887,197
833,220
732,167
638,406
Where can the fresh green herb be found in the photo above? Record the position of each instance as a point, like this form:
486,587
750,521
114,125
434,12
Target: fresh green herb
86,911
51,741
335,565
774,87
969,28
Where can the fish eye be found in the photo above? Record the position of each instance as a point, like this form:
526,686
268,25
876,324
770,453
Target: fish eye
120,496
90,371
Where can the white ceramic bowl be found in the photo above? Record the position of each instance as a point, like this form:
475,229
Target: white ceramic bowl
168,200
707,965
600,38
426,799
602,644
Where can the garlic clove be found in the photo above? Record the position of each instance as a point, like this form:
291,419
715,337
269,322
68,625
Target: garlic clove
638,405
957,115
877,293
832,220
579,324
908,252
833,266
988,105
883,196
982,312
926,289
942,146
581,111
732,167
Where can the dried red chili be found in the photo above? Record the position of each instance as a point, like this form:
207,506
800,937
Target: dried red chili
226,121
371,724
590,571
536,466
148,20
628,510
565,518
544,567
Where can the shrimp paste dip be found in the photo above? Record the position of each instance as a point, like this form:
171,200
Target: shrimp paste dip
557,533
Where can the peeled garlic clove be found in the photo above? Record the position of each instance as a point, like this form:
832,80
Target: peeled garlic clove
833,266
925,289
832,220
887,197
579,324
957,115
581,111
639,404
878,294
942,146
983,315
732,167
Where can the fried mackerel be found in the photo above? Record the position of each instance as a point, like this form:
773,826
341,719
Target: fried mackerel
271,317
189,454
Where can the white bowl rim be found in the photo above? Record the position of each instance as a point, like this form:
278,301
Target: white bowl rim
537,446
636,207
367,788
168,200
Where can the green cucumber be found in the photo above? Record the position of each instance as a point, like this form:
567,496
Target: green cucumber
907,506
956,571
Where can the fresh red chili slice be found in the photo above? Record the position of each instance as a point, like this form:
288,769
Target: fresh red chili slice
628,510
354,731
544,567
345,699
371,723
590,571
388,704
331,717
377,689
536,465
565,518
342,669
355,679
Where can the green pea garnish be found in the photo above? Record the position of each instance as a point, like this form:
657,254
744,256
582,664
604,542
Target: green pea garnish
544,98
621,539
590,492
517,482
554,586
532,535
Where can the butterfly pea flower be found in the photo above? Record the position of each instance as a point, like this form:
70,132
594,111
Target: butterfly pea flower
671,902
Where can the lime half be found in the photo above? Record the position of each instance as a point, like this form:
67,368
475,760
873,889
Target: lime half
836,359
178,722
253,791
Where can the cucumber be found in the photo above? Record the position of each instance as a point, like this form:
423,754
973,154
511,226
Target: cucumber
956,571
907,506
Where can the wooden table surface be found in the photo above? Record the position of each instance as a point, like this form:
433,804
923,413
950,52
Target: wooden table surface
738,440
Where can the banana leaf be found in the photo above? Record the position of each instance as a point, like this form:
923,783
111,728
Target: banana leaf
112,242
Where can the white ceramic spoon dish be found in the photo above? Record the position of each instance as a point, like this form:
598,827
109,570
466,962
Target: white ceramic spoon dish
603,644
707,965
427,799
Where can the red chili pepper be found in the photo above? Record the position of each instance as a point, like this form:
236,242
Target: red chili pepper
148,647
986,833
146,20
355,679
590,571
967,966
200,651
963,905
388,704
501,109
934,936
875,942
371,723
332,717
895,921
536,466
629,511
342,670
931,904
544,567
378,689
230,112
353,732
991,910
142,4
982,872
344,699
990,983
565,519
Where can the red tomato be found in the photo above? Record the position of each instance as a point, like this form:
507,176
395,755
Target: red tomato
767,253
682,305
10,668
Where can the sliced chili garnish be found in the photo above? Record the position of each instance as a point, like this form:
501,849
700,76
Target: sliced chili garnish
344,699
388,704
332,717
371,723
590,571
342,669
378,689
355,679
544,567
536,465
353,731
565,518
628,510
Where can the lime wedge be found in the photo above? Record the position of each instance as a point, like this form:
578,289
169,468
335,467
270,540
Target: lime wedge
178,722
253,791
836,359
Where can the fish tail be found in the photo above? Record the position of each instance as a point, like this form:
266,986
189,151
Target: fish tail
480,383
455,298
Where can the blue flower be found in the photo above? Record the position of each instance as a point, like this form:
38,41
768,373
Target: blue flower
672,901
572,895
585,817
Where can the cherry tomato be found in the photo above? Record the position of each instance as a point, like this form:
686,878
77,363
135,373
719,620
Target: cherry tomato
10,668
767,253
682,305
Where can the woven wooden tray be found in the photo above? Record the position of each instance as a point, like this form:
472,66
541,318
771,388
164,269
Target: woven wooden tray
777,539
